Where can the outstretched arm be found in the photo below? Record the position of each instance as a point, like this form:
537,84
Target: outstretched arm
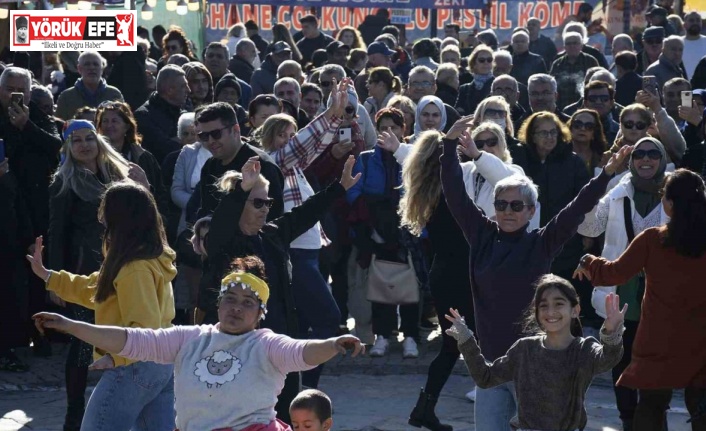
111,339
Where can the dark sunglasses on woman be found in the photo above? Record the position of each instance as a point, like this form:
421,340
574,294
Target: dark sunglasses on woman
516,206
635,125
641,154
259,203
580,125
491,142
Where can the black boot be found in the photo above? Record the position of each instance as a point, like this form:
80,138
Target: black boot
423,414
627,425
76,380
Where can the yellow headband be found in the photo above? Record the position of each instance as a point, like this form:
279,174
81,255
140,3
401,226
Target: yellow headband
246,280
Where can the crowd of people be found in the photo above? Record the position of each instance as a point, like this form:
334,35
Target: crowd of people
215,220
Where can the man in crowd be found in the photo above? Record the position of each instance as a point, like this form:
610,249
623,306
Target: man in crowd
652,41
452,30
312,98
507,87
525,63
629,82
263,79
254,35
337,53
694,42
600,97
327,74
157,119
570,69
241,63
543,95
289,89
90,89
672,99
313,38
216,57
447,83
424,51
540,44
379,55
668,65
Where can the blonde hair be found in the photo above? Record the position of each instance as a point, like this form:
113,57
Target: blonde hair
273,126
421,182
499,133
230,179
111,165
404,101
479,114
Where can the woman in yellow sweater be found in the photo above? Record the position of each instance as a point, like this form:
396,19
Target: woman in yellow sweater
131,289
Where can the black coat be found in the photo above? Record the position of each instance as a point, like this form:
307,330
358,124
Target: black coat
226,241
626,88
545,48
157,123
526,65
240,68
261,45
33,154
469,97
128,76
446,93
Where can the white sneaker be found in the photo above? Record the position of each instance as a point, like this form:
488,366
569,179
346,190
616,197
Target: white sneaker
471,395
380,347
409,348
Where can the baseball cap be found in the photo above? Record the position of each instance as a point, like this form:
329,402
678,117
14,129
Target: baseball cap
336,45
280,47
379,48
656,10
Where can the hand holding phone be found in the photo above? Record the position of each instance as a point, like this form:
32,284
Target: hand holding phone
649,84
344,134
17,98
686,98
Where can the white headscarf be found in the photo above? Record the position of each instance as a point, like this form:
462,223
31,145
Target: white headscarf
423,102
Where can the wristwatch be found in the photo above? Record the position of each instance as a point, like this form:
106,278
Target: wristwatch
582,262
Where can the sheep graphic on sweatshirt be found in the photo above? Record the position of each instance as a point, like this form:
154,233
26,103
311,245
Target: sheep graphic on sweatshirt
218,369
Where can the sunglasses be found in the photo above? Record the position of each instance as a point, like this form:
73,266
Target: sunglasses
350,110
633,125
215,134
491,142
173,47
484,59
259,203
597,99
580,125
495,113
516,206
641,154
547,133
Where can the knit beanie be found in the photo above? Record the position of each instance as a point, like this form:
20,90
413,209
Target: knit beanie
228,80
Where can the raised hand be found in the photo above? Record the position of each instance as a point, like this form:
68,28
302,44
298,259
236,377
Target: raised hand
467,146
341,149
53,321
36,261
348,342
138,175
347,180
650,100
614,315
458,330
251,173
388,141
617,160
460,126
581,271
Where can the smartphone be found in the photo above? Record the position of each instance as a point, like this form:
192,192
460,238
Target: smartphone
649,84
344,134
18,98
686,98
2,150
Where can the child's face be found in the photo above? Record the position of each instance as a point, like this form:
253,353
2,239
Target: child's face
555,312
306,420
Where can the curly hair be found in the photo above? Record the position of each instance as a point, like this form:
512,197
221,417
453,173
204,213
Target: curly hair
528,127
358,38
421,182
176,33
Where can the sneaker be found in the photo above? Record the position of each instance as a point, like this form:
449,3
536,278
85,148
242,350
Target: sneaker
380,347
409,348
471,395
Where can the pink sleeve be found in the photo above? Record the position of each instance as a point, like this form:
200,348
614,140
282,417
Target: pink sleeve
159,345
286,354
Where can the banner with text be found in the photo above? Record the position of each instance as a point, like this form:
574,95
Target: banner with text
502,17
391,4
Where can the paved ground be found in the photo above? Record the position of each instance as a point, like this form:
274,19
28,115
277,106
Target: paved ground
369,394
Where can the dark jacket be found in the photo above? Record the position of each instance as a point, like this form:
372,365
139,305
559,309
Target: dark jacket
261,45
526,65
545,48
225,241
665,70
263,79
128,76
308,46
371,27
698,80
452,116
241,68
570,76
34,156
153,171
157,123
469,97
446,93
504,266
518,115
75,234
626,88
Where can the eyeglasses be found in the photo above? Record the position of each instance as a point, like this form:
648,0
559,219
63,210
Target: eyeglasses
484,59
651,41
480,143
495,113
259,203
652,154
635,125
547,133
421,84
325,84
580,125
215,134
110,105
599,99
516,206
350,110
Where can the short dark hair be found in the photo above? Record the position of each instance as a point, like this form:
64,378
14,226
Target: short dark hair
315,401
393,30
263,100
393,114
627,60
251,25
425,48
597,85
310,19
217,111
456,27
585,7
308,87
143,32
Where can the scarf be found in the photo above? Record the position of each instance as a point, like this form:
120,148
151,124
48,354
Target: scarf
423,102
91,97
89,187
647,195
480,80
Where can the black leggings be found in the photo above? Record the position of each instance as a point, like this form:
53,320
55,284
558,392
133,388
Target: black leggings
452,292
651,412
625,398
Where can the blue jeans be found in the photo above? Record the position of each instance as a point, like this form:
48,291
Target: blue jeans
495,407
316,308
137,397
